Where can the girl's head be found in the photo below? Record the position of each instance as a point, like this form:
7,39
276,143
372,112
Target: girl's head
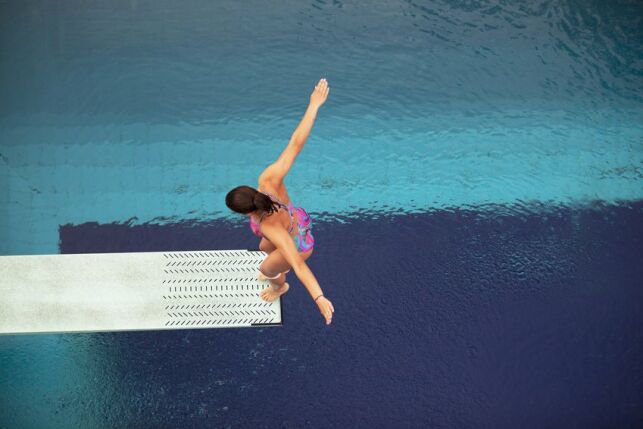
245,200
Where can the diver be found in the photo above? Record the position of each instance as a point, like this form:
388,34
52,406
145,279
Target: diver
285,230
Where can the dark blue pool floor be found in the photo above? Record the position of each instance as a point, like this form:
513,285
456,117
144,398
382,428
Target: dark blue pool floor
450,319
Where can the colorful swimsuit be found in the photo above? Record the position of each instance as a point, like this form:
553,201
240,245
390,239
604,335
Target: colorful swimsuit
304,240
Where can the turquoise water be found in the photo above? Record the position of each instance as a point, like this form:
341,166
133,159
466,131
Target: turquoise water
132,112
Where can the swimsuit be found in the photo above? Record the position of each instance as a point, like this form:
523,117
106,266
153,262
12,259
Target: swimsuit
304,240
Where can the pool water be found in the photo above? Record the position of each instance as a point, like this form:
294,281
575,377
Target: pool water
474,180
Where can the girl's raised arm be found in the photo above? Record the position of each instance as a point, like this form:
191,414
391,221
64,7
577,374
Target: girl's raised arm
276,171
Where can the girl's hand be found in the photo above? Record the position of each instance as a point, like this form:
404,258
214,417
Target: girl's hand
326,308
318,97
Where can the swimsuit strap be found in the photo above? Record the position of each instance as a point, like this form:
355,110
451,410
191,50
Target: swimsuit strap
288,207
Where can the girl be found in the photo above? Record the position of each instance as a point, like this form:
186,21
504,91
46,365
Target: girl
285,234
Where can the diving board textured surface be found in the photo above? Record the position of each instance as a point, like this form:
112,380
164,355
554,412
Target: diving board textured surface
133,291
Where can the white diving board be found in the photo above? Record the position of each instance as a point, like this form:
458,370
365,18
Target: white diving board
94,292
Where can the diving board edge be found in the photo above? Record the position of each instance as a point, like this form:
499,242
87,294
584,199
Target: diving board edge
134,291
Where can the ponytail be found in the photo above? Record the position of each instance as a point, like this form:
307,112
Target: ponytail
265,203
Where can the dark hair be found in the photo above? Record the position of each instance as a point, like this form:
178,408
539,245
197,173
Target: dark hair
245,199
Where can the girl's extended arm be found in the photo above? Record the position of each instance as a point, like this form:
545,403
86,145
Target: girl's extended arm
282,240
276,171
301,133
317,98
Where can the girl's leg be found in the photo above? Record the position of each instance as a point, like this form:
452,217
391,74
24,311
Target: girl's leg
273,268
273,264
266,246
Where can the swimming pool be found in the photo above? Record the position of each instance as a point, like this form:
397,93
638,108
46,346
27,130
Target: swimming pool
483,160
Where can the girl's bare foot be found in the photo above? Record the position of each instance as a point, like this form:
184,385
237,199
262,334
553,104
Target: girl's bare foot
271,292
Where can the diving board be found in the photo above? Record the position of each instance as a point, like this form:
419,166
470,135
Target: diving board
94,292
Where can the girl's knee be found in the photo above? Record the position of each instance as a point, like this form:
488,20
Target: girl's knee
266,246
268,274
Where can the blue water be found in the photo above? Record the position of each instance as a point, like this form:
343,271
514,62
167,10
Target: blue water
474,179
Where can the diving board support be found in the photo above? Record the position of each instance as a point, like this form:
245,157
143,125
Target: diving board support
96,292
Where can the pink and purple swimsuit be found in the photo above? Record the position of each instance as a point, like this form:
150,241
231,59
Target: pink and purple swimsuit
304,240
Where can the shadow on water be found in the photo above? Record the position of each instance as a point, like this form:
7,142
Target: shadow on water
453,318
